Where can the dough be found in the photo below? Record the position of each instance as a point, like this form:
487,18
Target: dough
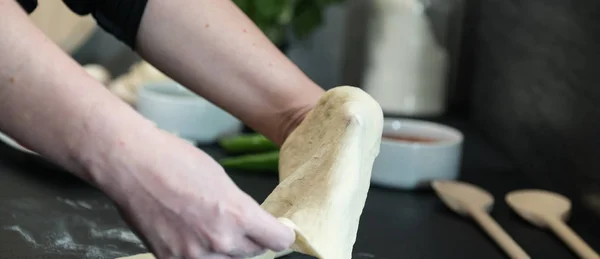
325,170
126,86
98,72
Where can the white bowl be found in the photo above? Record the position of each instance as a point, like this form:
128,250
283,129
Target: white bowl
178,110
410,164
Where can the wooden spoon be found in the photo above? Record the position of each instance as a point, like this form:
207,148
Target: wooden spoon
470,200
549,210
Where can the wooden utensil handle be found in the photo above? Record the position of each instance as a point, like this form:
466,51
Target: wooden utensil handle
499,235
572,239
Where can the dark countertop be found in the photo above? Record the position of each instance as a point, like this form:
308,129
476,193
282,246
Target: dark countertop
46,213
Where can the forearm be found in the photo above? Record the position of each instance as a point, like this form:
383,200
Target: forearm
214,49
49,103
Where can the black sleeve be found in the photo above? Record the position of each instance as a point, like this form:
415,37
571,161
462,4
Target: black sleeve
120,18
28,5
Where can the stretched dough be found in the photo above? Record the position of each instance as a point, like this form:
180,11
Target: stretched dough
325,170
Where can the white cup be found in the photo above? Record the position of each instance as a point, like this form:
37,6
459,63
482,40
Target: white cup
178,110
408,164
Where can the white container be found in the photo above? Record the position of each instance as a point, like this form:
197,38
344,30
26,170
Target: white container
178,110
412,164
408,64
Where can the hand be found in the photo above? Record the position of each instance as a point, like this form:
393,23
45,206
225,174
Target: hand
185,206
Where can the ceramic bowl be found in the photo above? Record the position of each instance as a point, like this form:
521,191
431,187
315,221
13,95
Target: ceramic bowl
178,110
415,152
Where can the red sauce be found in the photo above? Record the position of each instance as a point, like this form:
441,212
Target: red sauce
410,139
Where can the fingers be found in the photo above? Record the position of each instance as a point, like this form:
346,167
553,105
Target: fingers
216,256
266,231
240,248
246,249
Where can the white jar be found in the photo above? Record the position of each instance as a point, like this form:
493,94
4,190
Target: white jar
407,66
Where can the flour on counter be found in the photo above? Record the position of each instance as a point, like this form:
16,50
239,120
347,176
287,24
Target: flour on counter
75,229
64,242
122,234
363,256
77,204
68,202
23,233
84,205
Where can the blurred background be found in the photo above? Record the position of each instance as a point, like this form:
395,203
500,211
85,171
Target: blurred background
524,73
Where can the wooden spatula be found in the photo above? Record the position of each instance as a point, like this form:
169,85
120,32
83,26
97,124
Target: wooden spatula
549,210
472,201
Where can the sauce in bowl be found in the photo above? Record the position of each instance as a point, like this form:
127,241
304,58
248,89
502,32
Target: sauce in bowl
415,139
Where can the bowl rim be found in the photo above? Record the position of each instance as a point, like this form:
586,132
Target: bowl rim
151,91
457,138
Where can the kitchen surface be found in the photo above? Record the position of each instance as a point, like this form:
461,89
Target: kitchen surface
46,213
471,92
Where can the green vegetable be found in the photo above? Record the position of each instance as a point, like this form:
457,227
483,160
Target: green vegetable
248,143
274,16
264,162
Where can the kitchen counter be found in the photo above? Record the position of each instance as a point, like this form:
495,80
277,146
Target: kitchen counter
46,213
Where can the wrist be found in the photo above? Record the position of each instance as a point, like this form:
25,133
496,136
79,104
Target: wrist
141,162
290,121
296,111
108,141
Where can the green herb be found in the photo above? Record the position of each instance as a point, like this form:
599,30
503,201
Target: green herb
274,16
263,162
247,143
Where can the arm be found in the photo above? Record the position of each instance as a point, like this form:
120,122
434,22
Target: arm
177,197
214,49
49,103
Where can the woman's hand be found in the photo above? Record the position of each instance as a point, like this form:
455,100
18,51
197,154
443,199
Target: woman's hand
184,205
178,198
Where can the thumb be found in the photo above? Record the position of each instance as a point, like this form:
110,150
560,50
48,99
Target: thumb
268,232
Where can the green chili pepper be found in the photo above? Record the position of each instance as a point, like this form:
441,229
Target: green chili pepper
263,162
248,143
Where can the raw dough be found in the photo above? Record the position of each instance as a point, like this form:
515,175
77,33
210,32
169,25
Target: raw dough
126,86
325,169
98,72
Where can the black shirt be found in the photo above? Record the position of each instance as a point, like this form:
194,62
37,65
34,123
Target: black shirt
120,18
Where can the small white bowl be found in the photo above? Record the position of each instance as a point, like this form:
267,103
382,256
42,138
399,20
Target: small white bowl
180,111
413,163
